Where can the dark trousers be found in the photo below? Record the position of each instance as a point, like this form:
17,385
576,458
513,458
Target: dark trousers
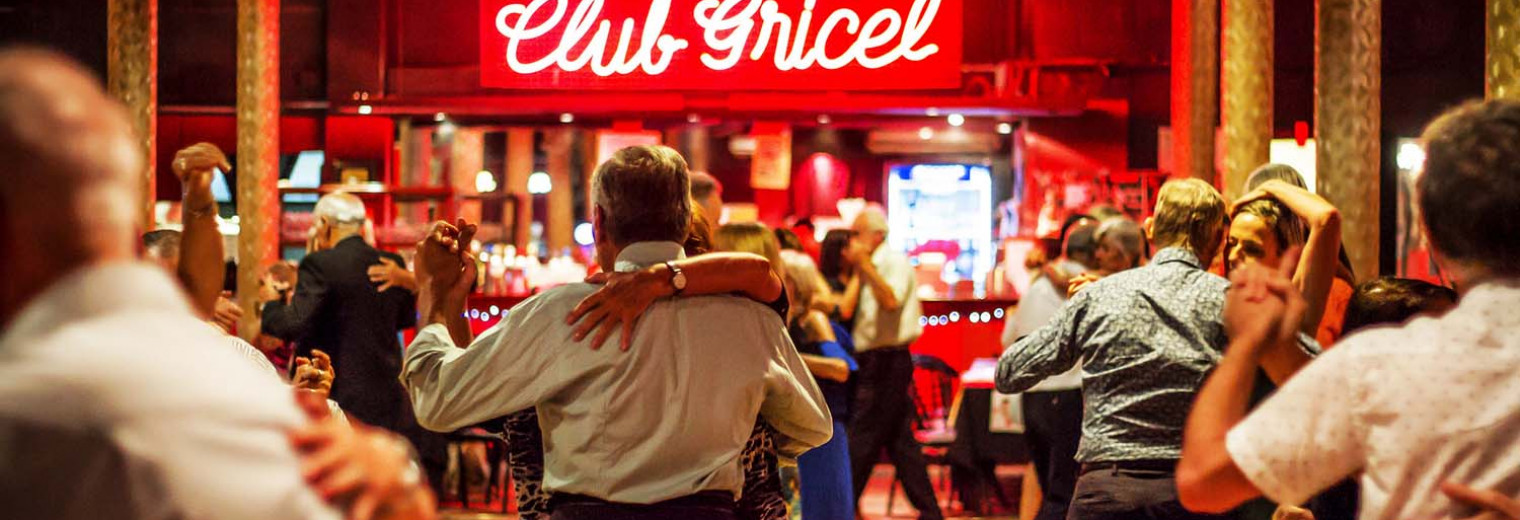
707,505
882,419
1053,429
1129,494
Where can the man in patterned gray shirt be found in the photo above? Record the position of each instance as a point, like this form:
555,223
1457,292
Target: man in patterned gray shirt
1146,338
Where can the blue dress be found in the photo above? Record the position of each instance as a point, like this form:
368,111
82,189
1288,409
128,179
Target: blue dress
824,472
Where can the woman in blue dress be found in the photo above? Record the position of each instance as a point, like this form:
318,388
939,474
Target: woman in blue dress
823,472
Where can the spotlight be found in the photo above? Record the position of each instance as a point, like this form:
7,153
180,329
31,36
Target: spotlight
567,118
365,110
956,119
439,117
1005,128
539,183
926,133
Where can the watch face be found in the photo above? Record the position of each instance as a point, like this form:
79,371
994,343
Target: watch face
679,281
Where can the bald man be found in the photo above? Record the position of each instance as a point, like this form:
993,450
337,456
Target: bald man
337,309
886,324
115,400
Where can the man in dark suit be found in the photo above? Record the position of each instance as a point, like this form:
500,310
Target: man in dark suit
336,308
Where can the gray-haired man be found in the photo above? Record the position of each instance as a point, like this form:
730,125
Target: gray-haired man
654,432
335,308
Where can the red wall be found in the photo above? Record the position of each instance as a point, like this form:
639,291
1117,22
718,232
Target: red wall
177,131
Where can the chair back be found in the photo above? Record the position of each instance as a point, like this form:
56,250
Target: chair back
933,392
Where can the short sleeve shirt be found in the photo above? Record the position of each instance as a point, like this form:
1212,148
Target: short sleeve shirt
1408,406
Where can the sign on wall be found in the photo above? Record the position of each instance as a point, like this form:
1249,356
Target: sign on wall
721,44
771,166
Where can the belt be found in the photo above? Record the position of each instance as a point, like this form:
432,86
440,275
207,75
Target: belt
1169,466
710,498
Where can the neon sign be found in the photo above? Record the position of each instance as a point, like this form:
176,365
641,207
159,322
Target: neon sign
721,44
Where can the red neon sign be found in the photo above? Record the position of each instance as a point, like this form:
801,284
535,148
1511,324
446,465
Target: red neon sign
721,44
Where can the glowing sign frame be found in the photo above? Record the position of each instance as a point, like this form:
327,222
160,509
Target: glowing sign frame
721,44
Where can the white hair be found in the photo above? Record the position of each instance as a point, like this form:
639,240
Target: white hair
341,208
872,218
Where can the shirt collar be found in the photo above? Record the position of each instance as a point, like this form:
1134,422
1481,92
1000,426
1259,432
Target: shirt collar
96,290
1498,293
1176,254
639,255
351,240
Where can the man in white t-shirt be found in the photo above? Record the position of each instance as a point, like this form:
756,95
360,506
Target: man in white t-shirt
1409,408
1053,408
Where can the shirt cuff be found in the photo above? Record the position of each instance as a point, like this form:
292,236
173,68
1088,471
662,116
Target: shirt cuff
439,333
1253,464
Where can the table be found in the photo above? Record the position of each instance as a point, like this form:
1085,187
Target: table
977,450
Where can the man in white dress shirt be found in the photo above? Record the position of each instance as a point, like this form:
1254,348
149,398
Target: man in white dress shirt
886,324
116,401
1411,408
656,430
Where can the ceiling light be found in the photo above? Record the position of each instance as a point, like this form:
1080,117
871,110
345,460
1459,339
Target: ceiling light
823,119
539,183
926,133
485,182
583,234
956,119
1005,128
932,112
567,118
365,110
693,118
440,117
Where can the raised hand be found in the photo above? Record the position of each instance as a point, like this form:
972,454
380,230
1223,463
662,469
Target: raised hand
194,167
315,373
445,274
1263,305
618,304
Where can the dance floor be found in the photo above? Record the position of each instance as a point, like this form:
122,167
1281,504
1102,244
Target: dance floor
873,505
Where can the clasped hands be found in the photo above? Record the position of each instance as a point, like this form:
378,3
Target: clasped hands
445,270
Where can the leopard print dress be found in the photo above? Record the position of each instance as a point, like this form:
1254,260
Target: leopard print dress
761,500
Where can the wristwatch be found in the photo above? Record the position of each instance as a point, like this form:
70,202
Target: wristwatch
677,278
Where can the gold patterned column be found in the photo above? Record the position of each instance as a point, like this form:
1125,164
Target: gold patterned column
258,146
1347,124
519,166
1501,78
559,223
1246,90
132,76
1195,90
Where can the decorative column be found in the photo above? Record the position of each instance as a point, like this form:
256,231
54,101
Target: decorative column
258,147
132,76
519,166
1501,77
1195,91
1347,127
559,223
1246,90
